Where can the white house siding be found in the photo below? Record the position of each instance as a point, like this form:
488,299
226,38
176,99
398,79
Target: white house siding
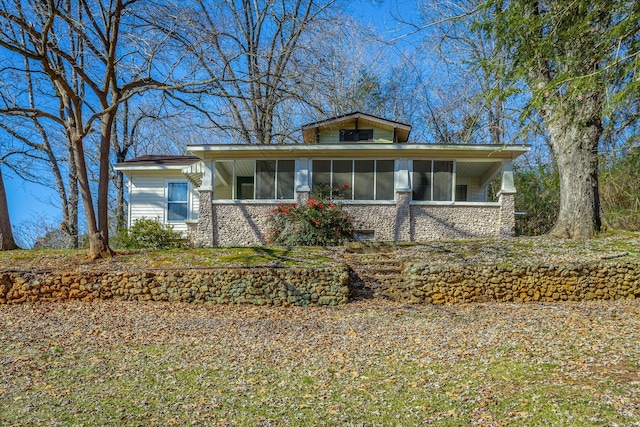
453,222
147,196
475,193
382,135
223,192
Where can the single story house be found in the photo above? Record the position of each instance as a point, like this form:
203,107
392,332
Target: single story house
220,194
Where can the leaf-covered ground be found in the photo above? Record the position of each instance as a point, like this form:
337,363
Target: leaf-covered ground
366,363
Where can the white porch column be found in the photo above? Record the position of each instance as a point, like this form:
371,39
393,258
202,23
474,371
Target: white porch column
508,185
303,180
403,177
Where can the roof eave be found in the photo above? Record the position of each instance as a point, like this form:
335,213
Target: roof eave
134,167
360,150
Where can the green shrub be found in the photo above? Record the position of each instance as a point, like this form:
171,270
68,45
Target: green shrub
319,222
538,198
148,233
620,188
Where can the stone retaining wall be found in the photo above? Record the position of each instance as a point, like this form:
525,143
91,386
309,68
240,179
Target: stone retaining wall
480,283
261,286
424,283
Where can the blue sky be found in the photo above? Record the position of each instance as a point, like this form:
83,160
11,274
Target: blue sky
30,202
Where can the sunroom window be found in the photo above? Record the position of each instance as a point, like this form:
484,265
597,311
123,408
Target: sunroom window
354,179
275,179
432,180
255,179
177,201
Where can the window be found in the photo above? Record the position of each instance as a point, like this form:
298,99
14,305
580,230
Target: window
265,179
342,177
355,179
442,181
461,193
350,135
177,201
244,187
255,179
422,179
275,179
385,174
432,180
285,179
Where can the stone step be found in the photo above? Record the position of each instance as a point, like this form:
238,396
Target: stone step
373,266
379,269
369,256
378,278
374,274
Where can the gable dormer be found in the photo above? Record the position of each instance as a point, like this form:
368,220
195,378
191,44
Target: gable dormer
356,127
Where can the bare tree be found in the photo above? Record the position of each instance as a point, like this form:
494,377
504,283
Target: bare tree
31,132
7,242
454,57
253,51
78,47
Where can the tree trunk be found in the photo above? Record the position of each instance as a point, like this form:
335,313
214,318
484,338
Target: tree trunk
6,235
72,204
574,137
98,240
121,155
103,185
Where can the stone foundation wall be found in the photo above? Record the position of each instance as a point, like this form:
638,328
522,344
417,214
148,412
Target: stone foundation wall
245,224
507,227
453,222
469,283
260,286
241,224
379,218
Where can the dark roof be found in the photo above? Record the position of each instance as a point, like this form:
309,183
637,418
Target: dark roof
354,115
159,160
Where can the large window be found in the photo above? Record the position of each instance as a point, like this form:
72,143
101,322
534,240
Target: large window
432,180
177,201
259,179
275,179
355,179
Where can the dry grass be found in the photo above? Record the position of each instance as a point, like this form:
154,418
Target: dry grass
366,363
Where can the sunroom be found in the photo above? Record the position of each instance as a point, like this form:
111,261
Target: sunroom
431,192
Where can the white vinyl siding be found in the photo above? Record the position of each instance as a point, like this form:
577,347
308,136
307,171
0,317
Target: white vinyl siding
475,193
147,196
379,135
